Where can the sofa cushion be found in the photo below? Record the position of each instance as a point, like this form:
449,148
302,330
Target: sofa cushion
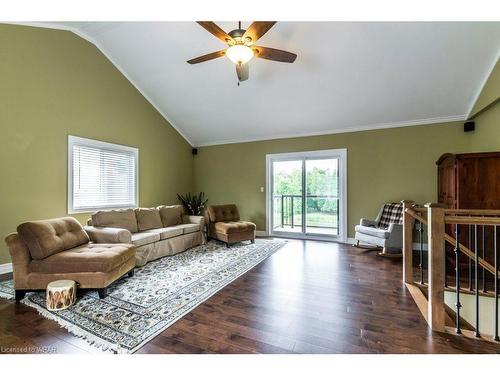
116,219
85,258
234,227
188,228
371,231
223,212
143,238
47,237
167,232
171,215
148,218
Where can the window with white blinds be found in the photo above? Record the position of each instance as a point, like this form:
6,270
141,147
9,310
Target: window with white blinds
101,175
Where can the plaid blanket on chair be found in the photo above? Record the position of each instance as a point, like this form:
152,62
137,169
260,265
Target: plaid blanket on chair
391,213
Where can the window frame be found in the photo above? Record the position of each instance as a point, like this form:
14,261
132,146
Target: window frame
74,140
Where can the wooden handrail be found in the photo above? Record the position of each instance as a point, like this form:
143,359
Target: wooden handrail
455,211
438,218
420,209
413,214
472,220
464,249
451,240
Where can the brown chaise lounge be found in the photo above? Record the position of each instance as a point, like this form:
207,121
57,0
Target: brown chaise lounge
48,250
224,224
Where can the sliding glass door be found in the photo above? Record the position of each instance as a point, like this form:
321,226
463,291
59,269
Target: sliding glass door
322,196
306,194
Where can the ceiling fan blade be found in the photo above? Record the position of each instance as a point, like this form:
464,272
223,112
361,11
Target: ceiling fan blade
257,29
207,57
274,54
213,29
242,72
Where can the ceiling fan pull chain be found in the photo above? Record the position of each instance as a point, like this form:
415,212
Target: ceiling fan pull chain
239,25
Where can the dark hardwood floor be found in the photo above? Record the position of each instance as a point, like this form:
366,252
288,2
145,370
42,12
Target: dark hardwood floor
309,297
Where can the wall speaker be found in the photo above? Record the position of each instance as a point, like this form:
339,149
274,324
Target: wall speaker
469,126
194,151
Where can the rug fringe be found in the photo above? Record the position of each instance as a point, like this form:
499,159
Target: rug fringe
91,339
6,295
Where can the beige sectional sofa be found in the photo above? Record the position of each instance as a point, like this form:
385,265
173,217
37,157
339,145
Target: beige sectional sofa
155,232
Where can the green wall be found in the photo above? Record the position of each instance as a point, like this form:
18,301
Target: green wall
54,84
382,166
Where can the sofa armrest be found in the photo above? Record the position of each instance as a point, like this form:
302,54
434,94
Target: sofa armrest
191,219
367,223
108,234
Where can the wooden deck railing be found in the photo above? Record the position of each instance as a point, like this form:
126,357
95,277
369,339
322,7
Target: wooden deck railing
449,228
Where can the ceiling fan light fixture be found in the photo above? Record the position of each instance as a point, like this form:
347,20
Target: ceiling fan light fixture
239,54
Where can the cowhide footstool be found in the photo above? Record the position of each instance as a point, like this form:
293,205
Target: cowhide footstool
61,294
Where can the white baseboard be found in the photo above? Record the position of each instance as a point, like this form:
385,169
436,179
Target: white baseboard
261,233
5,268
416,245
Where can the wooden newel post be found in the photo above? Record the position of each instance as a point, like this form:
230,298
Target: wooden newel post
435,242
407,242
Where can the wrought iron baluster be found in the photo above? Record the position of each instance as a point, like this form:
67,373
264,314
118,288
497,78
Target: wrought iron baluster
496,338
470,260
476,260
291,208
457,275
445,270
482,249
420,230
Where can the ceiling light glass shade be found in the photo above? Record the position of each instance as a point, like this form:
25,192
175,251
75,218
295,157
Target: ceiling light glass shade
239,54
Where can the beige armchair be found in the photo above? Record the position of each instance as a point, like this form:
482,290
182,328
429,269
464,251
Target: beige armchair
224,224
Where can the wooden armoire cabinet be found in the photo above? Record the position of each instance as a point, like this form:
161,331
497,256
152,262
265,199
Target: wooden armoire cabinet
469,181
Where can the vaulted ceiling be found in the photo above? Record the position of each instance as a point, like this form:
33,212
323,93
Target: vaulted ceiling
348,75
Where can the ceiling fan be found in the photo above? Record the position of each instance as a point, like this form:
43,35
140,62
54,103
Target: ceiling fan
241,46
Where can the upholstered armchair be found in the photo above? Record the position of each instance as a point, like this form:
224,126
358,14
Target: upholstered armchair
385,232
224,224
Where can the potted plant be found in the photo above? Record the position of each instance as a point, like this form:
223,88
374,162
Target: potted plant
193,203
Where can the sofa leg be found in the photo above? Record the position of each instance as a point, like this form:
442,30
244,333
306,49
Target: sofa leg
103,293
20,295
252,241
131,272
228,244
357,244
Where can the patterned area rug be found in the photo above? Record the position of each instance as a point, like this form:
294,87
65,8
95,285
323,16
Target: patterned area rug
139,308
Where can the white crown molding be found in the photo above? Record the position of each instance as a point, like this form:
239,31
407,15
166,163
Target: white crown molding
481,87
5,268
399,124
88,38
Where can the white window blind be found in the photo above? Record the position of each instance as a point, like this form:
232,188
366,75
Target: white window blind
101,175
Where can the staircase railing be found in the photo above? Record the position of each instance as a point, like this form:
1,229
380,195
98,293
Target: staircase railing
447,231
